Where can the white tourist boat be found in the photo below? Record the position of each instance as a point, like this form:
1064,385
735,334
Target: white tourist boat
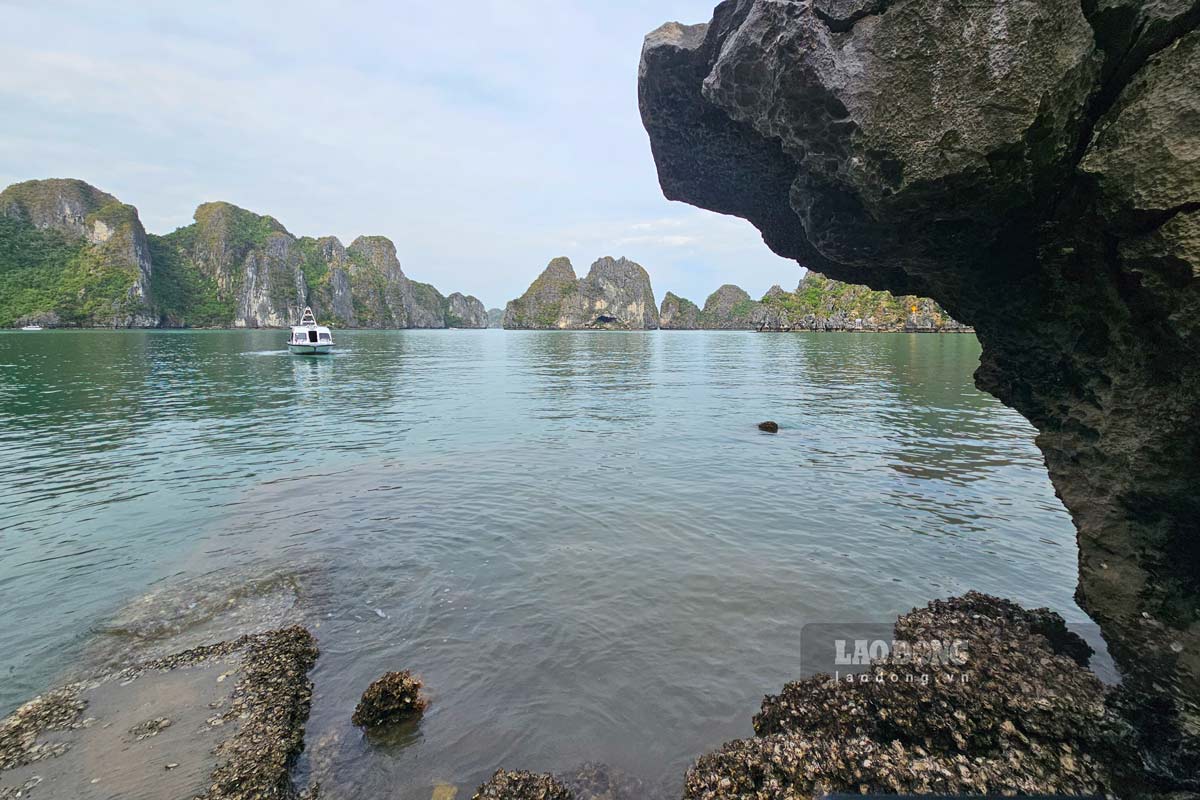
31,327
309,338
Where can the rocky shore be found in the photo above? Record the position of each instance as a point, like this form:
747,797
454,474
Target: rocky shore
1018,712
220,722
1013,710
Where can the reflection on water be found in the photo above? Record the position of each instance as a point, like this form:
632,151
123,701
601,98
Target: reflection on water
579,539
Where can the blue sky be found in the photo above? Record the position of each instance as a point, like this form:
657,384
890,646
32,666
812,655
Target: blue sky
484,138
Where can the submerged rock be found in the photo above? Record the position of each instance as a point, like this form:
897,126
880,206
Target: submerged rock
395,697
593,781
506,785
1016,713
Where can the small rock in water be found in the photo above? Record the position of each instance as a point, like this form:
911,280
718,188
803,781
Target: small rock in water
393,698
769,427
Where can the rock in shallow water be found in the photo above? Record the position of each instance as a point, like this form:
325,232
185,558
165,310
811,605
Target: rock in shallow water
1017,715
508,785
221,722
396,697
769,427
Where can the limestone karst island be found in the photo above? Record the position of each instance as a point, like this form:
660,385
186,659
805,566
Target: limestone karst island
797,399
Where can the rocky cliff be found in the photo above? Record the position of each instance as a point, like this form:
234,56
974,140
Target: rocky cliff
465,311
71,254
615,294
678,314
1034,167
251,265
495,317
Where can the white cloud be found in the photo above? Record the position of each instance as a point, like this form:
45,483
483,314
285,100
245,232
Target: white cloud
484,138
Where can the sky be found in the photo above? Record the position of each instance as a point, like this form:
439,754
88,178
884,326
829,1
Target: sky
483,138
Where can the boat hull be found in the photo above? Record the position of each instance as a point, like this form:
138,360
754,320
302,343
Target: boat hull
311,349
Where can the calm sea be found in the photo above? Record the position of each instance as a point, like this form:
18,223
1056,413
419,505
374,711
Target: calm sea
580,540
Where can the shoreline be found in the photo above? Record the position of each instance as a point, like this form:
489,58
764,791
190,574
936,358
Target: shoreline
176,723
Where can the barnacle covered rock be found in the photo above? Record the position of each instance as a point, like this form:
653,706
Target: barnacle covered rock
393,698
508,785
1017,713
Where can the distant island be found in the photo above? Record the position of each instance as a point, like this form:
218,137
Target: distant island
73,255
616,295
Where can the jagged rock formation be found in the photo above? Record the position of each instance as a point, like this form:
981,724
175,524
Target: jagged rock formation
1034,167
541,305
822,304
71,254
465,311
678,314
233,259
495,317
615,294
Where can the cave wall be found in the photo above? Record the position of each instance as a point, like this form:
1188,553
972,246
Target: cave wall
1034,166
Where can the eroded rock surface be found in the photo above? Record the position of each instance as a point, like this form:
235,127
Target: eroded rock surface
1034,167
615,294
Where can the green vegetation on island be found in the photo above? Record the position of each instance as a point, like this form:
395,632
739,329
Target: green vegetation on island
72,255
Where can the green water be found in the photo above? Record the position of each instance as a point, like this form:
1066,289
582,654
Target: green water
579,539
